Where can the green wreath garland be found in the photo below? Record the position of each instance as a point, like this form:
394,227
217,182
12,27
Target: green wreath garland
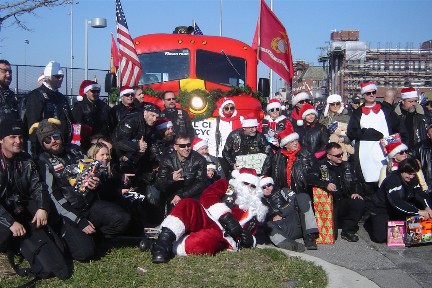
184,98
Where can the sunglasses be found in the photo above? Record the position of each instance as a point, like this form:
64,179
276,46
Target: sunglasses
303,101
370,93
274,109
128,95
58,76
169,99
249,184
266,186
337,155
403,152
95,91
184,145
48,139
229,108
335,104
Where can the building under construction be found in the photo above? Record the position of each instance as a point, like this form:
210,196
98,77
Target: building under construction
350,62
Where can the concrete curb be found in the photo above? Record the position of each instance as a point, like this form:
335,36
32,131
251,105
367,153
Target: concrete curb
338,277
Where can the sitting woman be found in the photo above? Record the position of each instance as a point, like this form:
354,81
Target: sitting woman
399,196
290,217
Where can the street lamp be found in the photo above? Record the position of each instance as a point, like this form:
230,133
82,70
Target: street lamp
95,23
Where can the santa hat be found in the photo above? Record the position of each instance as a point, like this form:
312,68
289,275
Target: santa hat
304,111
264,180
274,103
53,68
41,77
298,97
368,86
394,145
287,136
163,123
247,175
87,85
197,143
211,165
334,98
409,92
249,120
126,90
225,102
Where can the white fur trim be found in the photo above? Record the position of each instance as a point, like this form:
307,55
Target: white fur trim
300,122
277,120
179,247
218,209
200,144
224,104
368,88
273,105
41,77
334,98
249,178
92,86
309,111
164,125
211,166
249,123
175,225
289,138
411,94
300,96
265,181
80,98
396,150
127,91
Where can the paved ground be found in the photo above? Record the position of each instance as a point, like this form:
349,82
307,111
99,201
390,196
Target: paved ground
386,266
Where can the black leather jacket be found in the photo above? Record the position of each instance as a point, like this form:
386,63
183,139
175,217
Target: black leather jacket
22,186
299,171
194,171
238,143
343,176
53,169
94,114
8,103
181,121
278,202
425,150
119,112
43,103
314,137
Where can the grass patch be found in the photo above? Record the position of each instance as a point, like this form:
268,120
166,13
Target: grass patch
248,268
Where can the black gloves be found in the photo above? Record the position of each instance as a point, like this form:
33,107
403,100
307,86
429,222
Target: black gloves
246,239
231,225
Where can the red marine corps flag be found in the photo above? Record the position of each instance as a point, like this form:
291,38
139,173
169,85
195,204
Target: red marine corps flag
114,61
272,44
130,67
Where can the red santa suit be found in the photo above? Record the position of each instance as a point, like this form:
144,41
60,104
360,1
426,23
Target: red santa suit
195,223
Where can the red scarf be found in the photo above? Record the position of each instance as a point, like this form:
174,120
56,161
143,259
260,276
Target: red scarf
375,109
291,157
234,120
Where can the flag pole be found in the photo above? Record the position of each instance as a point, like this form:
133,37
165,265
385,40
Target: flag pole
271,70
220,20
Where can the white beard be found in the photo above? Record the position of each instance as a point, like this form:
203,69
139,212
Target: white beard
249,199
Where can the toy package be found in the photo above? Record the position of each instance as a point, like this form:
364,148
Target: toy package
79,174
418,230
395,233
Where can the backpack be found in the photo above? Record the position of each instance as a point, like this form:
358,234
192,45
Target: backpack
43,250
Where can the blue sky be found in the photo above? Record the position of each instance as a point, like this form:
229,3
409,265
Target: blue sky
308,22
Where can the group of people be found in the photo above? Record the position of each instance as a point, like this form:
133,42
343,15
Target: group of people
137,165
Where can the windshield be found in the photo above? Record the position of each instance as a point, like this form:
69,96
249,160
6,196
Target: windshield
164,66
220,68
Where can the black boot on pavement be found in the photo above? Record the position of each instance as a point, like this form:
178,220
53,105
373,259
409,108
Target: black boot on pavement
162,248
310,243
292,245
349,236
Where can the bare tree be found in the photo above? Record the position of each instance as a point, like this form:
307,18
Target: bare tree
15,9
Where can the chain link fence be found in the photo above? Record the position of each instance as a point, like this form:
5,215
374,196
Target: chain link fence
24,80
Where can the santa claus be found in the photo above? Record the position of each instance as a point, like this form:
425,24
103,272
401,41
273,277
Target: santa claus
225,217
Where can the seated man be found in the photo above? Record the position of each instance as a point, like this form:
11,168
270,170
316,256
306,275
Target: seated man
226,215
338,178
290,217
398,197
24,200
83,214
182,174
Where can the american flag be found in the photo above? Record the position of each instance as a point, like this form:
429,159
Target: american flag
130,67
197,30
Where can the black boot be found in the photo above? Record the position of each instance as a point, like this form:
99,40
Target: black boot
146,244
310,242
162,248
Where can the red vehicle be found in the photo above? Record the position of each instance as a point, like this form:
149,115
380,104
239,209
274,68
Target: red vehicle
187,62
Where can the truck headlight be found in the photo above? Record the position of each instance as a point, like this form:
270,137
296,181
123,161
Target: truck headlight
198,104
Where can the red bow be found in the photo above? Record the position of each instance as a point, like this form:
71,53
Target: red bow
375,109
